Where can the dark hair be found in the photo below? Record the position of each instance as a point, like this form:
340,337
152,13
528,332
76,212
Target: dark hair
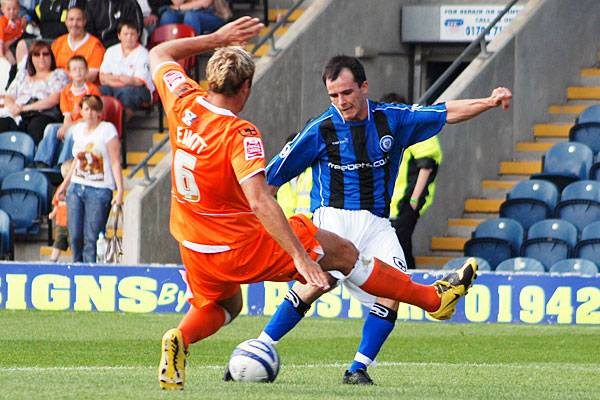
78,7
77,58
393,97
129,24
36,47
336,64
93,101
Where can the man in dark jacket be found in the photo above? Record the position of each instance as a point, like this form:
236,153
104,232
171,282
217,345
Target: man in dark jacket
104,16
50,16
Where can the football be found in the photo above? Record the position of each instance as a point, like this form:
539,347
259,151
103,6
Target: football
253,361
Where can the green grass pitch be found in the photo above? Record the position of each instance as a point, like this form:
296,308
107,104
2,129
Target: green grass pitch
67,355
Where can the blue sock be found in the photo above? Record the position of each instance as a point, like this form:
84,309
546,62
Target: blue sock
378,326
288,314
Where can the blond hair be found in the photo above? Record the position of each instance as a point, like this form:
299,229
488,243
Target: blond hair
227,70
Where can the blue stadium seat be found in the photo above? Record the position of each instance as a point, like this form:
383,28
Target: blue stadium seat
566,163
24,196
550,241
577,266
495,240
588,246
530,201
521,264
16,152
580,203
590,114
6,239
455,263
587,133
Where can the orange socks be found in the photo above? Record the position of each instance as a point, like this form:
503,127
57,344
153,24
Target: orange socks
200,323
390,283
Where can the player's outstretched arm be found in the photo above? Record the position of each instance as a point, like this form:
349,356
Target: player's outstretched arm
463,110
271,216
235,32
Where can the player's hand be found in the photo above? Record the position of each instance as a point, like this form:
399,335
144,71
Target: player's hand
312,272
239,31
501,96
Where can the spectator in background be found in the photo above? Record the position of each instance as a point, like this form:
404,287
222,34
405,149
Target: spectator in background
70,97
59,215
150,17
50,15
199,14
32,98
95,173
11,29
105,16
415,186
125,72
78,42
294,196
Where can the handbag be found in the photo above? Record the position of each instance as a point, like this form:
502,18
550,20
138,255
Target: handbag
222,10
114,244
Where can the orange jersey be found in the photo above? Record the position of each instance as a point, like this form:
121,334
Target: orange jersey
70,98
10,30
213,152
89,48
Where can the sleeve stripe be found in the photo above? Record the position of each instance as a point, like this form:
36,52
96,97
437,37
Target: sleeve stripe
413,109
250,175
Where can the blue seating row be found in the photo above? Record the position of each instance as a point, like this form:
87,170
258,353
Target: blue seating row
578,266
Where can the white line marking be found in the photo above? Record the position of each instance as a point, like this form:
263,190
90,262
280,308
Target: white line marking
541,366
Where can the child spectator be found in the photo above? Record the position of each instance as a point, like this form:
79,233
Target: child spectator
59,215
70,98
11,29
125,71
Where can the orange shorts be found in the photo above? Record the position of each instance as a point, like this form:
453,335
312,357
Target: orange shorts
218,276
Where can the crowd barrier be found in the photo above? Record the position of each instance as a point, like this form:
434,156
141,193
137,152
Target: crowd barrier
494,298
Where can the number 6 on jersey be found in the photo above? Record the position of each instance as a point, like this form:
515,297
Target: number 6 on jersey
184,164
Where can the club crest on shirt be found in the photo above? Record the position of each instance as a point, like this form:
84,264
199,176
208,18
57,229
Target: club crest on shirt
400,263
173,79
386,143
253,148
286,150
188,117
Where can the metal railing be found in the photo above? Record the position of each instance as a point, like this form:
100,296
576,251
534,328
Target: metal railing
479,41
270,36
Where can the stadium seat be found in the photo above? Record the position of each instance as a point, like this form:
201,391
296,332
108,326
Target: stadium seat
24,196
550,241
587,133
566,163
588,246
6,239
455,263
495,240
520,264
577,266
530,201
580,203
16,152
112,111
590,114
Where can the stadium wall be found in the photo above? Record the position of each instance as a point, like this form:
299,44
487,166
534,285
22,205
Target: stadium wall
538,56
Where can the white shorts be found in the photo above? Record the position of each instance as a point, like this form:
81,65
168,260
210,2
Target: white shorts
373,236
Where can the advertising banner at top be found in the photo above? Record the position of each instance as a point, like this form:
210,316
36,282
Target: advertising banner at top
464,23
494,298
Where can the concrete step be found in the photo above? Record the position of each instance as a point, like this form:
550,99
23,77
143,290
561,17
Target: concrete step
463,226
448,243
158,137
589,80
583,92
278,33
276,13
526,168
135,157
264,49
570,110
556,130
531,151
497,188
483,205
590,72
560,118
431,262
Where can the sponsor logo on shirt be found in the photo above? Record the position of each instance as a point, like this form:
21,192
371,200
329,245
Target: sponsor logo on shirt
385,143
248,131
353,167
400,263
253,148
173,79
286,150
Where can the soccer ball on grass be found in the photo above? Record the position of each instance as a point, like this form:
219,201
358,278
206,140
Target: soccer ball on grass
253,361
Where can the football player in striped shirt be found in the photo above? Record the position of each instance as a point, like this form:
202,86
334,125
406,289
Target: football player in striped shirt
354,149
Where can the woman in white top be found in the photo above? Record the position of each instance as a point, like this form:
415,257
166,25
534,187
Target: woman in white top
94,175
125,70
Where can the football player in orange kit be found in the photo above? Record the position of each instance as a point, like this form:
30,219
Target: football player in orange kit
223,214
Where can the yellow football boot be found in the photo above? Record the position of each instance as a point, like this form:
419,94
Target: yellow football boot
454,286
171,370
